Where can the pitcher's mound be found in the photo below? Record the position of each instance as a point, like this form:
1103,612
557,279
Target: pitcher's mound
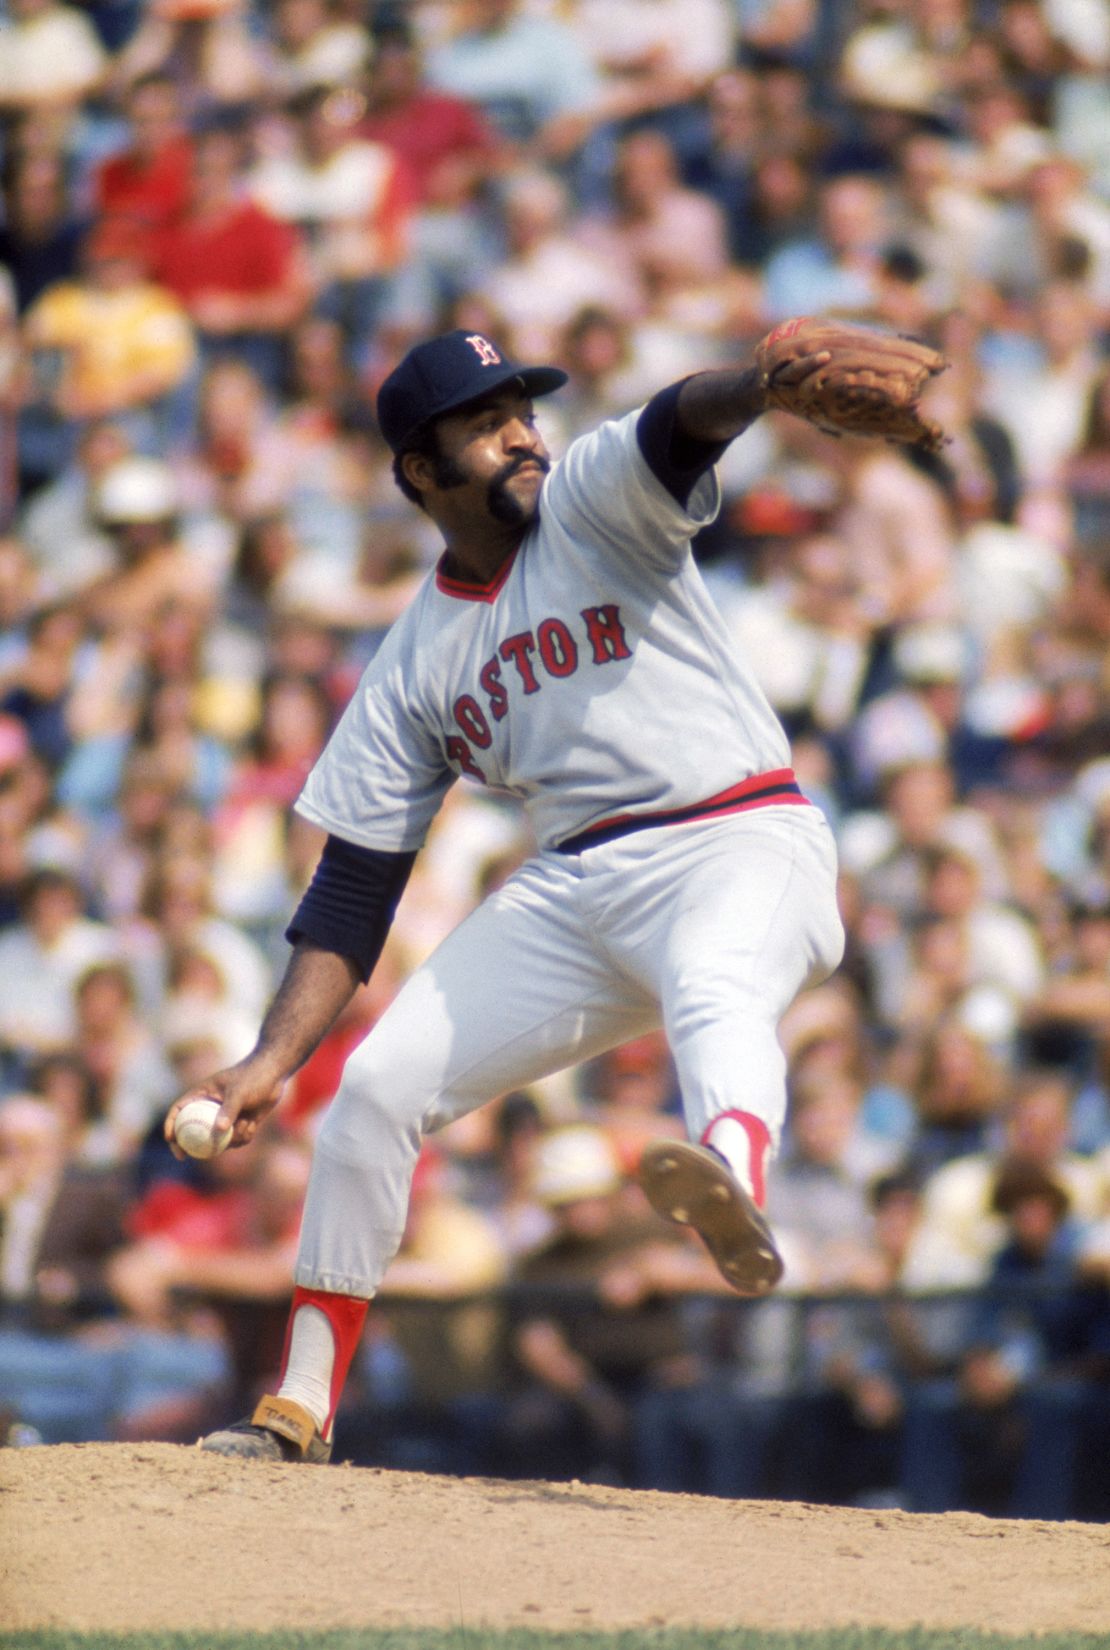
120,1538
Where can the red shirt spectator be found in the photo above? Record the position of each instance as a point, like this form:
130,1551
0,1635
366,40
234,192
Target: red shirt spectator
155,192
445,143
246,252
192,1219
233,265
150,180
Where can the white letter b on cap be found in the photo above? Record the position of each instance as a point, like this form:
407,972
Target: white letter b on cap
484,350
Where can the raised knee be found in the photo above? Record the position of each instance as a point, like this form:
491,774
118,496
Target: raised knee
364,1124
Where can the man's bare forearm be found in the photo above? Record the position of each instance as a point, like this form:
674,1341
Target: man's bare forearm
315,990
718,406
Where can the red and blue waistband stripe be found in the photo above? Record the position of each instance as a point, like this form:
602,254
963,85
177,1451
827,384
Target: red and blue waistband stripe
762,790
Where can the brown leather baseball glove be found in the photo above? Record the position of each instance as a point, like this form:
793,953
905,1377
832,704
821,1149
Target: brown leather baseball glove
849,380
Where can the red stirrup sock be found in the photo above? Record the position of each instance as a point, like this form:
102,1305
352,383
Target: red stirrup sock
321,1338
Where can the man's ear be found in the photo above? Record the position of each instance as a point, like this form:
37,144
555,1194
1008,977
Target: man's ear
418,470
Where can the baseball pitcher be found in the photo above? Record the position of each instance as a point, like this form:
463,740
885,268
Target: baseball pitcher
564,651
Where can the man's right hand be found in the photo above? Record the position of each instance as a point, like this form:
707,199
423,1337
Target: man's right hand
315,989
247,1093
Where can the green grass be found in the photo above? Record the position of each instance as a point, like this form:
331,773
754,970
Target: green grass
479,1638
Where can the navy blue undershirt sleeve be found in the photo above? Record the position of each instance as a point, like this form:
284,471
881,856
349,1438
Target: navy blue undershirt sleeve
349,905
677,460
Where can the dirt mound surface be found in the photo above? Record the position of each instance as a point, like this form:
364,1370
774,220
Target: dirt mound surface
122,1538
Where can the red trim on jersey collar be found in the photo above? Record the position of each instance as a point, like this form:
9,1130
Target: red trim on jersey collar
469,590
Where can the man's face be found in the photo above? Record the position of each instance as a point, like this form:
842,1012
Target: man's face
215,167
154,114
36,197
1033,1222
491,458
51,910
113,273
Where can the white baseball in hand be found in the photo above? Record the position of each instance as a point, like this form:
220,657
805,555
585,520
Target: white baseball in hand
195,1132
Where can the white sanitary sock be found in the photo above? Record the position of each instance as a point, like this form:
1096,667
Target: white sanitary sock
307,1378
730,1140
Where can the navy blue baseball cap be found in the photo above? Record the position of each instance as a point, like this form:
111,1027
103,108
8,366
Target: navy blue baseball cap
444,374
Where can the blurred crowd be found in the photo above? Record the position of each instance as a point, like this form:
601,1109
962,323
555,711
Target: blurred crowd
223,221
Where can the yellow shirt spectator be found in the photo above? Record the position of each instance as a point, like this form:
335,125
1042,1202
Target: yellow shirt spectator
121,341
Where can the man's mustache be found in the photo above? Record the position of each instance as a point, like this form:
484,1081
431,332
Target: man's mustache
521,462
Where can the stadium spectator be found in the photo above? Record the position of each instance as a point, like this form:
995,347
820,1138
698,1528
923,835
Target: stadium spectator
1004,1437
656,60
121,1053
52,57
836,269
70,1089
207,47
1058,380
1071,227
39,685
317,45
178,914
61,1221
801,615
58,525
149,180
524,72
723,166
1071,1011
42,957
447,148
818,1194
42,235
111,343
236,268
25,799
665,237
957,1095
450,154
352,199
71,1368
961,1231
919,811
606,1332
506,1188
958,232
551,268
227,1237
239,466
136,505
249,866
781,207
844,1433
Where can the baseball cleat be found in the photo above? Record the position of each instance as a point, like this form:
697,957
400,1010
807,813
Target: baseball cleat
279,1430
694,1187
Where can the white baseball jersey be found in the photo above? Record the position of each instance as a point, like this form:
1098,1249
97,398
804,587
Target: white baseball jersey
591,678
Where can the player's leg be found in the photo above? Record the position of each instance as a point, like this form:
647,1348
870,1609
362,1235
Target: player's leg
516,992
756,924
751,921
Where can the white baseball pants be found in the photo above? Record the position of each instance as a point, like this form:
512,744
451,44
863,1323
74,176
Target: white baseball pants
709,929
